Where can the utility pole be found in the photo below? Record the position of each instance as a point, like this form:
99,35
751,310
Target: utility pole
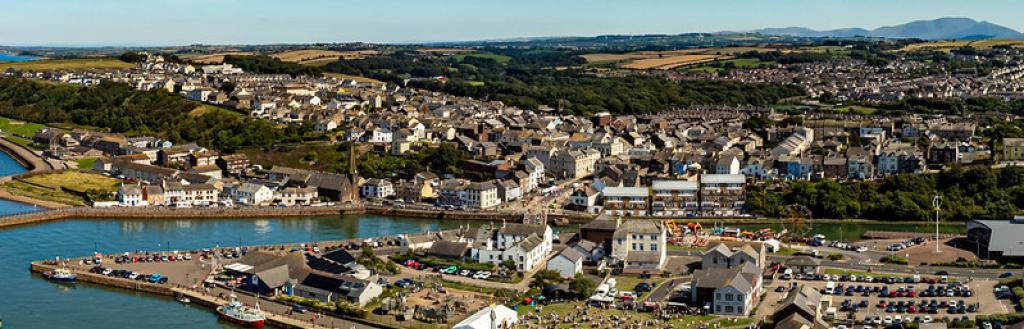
937,202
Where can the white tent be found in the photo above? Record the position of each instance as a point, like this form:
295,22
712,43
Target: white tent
491,317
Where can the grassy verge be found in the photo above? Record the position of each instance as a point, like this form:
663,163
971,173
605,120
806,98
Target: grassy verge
66,187
41,193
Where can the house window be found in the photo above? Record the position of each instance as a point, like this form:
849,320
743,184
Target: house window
739,309
654,247
634,245
718,308
728,309
654,237
728,297
714,260
718,295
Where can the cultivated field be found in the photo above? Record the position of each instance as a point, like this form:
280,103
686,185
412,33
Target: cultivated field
215,58
670,62
666,60
950,45
67,64
352,77
320,57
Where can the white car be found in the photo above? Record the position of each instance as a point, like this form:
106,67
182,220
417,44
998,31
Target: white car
927,319
133,276
888,320
862,249
107,271
465,272
898,319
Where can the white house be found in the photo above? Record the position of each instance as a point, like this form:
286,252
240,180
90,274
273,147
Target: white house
130,196
481,196
376,188
252,194
640,246
567,263
526,245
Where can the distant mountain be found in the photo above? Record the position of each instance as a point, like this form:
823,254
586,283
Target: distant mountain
948,28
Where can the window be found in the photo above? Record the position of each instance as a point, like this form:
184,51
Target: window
728,309
714,260
654,247
654,237
728,297
718,295
634,245
739,309
718,308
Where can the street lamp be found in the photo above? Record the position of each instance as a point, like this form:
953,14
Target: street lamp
937,202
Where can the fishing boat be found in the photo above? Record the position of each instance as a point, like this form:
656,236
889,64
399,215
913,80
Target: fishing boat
249,317
182,299
60,275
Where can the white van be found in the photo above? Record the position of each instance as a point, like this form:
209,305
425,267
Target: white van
830,288
787,274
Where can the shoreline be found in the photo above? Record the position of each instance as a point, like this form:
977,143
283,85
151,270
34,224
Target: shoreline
27,158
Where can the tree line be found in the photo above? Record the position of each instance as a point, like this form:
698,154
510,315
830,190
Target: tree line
117,107
976,192
528,80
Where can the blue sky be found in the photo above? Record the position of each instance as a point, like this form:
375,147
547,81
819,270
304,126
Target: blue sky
181,22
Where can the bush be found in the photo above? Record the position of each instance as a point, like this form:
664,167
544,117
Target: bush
307,302
835,256
893,259
349,309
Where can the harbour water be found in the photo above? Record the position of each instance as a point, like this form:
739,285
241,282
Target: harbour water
5,57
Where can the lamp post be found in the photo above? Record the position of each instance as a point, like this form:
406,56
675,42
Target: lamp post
937,202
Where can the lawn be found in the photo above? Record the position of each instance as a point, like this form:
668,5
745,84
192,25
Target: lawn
856,109
206,108
41,193
23,128
689,321
495,57
75,181
86,163
68,64
742,63
49,186
327,156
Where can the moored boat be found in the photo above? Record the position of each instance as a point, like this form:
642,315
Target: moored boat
60,275
249,317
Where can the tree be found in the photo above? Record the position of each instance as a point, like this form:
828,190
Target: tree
545,277
582,286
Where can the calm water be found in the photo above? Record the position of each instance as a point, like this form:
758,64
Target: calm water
28,301
5,57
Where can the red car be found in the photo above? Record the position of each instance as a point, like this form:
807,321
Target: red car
881,304
912,309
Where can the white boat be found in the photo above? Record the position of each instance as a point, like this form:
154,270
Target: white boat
182,299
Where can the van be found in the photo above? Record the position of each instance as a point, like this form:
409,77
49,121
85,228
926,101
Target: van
602,289
830,288
830,314
787,274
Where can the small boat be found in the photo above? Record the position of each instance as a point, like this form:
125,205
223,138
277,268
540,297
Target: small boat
182,299
249,317
60,275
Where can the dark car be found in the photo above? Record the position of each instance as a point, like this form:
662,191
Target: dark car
1006,275
298,309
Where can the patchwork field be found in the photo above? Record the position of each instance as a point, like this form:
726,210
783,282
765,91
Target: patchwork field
317,57
215,58
670,62
667,60
950,45
67,64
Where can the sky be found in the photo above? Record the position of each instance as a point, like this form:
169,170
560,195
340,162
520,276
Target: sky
184,22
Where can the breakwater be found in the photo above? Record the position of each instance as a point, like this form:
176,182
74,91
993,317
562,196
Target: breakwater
256,212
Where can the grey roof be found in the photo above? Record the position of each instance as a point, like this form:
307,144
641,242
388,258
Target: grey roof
274,277
522,229
644,257
571,254
723,179
448,249
633,192
639,226
531,242
1005,235
674,185
585,245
